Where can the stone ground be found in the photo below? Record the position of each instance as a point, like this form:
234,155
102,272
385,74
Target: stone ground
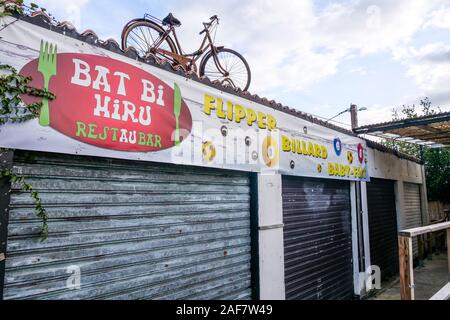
429,279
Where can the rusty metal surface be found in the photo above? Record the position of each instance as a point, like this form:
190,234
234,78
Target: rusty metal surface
413,211
317,239
135,230
383,227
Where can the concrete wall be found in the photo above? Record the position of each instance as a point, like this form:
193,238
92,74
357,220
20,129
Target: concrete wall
385,165
271,249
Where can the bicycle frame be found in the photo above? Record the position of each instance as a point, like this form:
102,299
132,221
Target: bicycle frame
188,61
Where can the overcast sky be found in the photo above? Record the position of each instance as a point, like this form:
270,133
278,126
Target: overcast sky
315,56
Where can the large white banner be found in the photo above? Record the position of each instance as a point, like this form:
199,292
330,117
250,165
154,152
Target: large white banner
109,105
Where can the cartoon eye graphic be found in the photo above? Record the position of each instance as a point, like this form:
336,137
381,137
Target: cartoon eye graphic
350,157
209,151
337,146
270,152
305,130
248,141
319,168
254,155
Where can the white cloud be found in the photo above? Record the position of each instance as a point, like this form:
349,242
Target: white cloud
369,26
429,66
439,18
375,114
67,10
362,71
293,44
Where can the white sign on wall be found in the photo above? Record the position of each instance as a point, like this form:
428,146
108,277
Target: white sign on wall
109,105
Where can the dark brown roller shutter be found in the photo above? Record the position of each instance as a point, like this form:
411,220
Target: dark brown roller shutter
317,239
383,226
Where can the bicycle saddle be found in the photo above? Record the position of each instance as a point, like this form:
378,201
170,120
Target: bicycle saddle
171,21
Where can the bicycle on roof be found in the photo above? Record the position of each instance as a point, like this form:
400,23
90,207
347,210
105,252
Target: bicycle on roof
153,37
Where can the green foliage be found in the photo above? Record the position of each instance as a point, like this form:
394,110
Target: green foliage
437,161
437,167
9,7
13,110
12,85
40,210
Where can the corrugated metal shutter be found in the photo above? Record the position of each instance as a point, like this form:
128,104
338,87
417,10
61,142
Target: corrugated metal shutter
317,239
383,227
136,230
413,211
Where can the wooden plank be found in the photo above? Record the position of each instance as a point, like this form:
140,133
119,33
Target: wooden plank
443,294
423,230
406,268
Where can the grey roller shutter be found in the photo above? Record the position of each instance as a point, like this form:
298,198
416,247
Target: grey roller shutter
136,231
317,239
413,210
383,233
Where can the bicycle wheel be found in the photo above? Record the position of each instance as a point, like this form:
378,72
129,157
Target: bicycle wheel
237,72
142,35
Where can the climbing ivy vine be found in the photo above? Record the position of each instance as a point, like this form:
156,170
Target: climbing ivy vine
40,210
12,86
13,110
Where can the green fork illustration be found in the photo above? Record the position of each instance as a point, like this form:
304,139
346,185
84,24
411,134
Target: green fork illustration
177,111
47,66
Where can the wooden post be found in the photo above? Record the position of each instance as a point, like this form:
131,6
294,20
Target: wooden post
406,268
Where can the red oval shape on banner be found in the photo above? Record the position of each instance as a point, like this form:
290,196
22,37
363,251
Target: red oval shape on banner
72,112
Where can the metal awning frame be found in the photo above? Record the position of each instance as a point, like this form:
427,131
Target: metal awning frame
434,137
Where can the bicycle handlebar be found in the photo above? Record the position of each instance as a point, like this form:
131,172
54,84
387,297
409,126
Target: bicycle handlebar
208,24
